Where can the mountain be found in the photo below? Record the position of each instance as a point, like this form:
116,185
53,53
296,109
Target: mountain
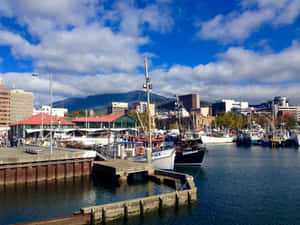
101,101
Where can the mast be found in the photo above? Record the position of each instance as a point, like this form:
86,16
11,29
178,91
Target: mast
148,86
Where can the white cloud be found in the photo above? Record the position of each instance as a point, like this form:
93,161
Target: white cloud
237,26
238,73
71,36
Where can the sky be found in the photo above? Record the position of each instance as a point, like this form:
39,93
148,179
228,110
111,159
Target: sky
235,49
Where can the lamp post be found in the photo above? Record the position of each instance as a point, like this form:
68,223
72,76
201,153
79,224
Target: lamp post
51,122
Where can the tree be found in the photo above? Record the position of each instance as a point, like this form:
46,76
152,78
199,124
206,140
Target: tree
143,117
230,120
290,121
78,113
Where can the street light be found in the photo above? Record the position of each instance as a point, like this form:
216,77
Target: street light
51,122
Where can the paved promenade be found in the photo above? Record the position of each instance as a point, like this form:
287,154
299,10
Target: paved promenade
18,155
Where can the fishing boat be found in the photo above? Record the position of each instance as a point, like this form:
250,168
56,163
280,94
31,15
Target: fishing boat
211,139
189,153
296,138
164,157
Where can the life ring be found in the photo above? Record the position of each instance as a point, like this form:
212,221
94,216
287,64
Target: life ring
140,150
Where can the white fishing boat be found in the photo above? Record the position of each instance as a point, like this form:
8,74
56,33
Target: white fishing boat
163,159
216,140
160,159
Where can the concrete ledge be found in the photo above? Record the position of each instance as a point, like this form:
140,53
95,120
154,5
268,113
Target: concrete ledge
141,206
135,207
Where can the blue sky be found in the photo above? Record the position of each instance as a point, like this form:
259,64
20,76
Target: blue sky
244,50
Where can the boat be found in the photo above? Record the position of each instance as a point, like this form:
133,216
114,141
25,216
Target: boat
296,138
189,153
206,139
164,156
243,139
163,159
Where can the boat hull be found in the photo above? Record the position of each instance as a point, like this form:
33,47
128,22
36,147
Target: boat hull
297,139
163,159
216,140
190,158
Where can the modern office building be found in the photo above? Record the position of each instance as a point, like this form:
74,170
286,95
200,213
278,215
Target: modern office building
225,106
117,108
4,107
21,105
190,101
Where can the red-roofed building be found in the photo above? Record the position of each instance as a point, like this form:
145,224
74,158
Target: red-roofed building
39,121
107,121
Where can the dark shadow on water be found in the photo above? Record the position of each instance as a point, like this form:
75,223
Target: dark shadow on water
35,201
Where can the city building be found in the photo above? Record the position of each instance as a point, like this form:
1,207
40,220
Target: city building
141,107
204,111
108,121
21,105
117,108
4,108
37,122
295,110
225,106
59,112
190,101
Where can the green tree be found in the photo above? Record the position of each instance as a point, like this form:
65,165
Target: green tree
78,113
143,117
290,121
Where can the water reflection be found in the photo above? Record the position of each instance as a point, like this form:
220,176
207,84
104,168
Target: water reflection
28,202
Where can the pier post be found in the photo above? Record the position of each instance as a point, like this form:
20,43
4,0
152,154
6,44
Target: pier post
122,152
123,179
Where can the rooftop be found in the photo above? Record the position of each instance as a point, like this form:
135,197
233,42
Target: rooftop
106,118
43,118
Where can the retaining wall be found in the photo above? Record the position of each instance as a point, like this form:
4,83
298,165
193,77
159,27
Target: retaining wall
44,171
140,206
135,207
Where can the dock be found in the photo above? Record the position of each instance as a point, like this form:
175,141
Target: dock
123,210
17,165
121,168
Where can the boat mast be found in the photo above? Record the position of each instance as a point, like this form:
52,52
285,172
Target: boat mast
148,87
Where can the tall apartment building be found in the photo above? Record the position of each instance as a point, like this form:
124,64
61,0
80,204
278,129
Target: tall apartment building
4,106
117,108
191,101
21,105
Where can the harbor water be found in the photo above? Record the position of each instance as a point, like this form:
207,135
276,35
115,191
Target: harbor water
236,185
